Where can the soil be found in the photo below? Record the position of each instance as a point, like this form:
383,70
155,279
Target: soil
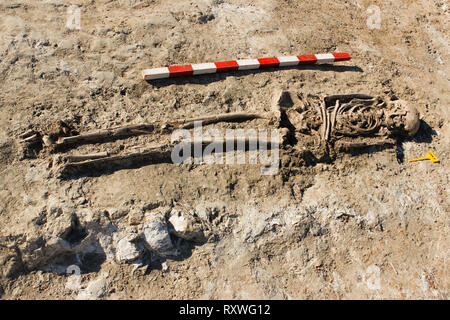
367,225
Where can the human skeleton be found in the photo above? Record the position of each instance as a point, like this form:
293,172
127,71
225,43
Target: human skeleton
319,126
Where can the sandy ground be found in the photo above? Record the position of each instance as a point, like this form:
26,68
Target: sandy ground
362,227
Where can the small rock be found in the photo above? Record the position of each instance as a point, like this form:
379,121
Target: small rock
210,211
316,229
95,289
135,217
115,213
151,206
186,226
126,251
371,220
156,236
80,200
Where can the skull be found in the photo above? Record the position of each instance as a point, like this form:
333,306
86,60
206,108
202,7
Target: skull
402,118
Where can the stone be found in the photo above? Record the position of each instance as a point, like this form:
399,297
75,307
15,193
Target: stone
186,226
210,211
135,217
156,236
127,251
95,289
116,213
151,205
165,267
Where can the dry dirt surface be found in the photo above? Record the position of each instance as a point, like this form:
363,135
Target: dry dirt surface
365,225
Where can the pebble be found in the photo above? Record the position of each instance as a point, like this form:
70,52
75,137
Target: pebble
186,227
116,213
135,217
126,251
156,236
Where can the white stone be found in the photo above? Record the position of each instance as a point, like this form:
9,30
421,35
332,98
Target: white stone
126,251
156,236
186,227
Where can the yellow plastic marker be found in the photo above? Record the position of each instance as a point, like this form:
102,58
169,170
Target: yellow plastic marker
430,156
